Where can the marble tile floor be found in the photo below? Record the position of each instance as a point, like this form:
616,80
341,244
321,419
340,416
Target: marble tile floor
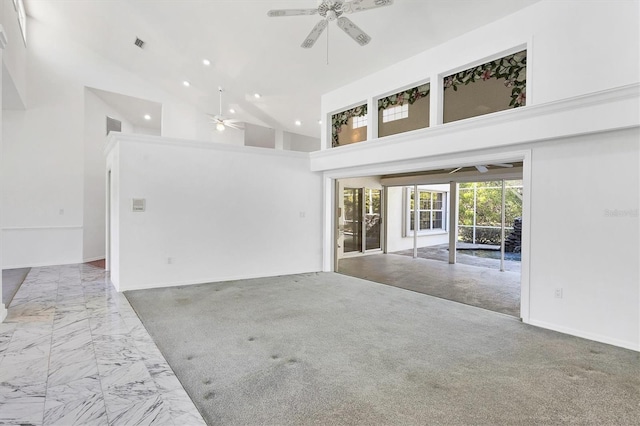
73,352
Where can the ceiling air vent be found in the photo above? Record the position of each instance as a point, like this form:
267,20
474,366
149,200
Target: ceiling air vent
139,43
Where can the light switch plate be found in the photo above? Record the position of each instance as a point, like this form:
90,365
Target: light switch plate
138,204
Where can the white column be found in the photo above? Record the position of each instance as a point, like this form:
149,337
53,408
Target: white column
279,143
436,96
475,208
502,227
372,119
453,221
3,44
416,218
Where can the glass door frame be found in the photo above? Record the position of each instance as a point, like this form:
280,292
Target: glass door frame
339,220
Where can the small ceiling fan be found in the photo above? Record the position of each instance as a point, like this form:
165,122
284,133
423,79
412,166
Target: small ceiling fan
483,168
220,122
332,10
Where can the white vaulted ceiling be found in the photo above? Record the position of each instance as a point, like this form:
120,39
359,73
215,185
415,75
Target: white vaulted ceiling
250,52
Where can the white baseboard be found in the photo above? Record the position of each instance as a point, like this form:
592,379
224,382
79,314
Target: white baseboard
634,346
209,280
37,265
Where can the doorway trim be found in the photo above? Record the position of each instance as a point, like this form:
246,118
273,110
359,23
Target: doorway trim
422,164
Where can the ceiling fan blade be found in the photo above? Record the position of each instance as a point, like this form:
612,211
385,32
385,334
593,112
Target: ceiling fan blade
314,34
291,12
482,169
501,165
213,118
455,170
354,6
237,126
353,31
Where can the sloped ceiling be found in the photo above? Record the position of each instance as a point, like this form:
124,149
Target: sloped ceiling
250,52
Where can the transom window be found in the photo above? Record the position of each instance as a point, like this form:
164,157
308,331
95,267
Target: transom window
394,113
494,86
431,210
349,126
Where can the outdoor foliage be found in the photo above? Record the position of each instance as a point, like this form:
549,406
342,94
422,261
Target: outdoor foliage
409,96
488,209
483,235
512,69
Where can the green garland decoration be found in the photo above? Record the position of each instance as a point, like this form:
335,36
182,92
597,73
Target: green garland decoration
342,118
511,68
409,96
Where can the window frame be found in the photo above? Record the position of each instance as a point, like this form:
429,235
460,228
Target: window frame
408,212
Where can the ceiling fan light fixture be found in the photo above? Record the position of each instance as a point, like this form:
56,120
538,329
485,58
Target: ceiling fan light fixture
220,127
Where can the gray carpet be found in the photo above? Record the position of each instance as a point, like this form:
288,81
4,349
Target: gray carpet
331,349
11,281
476,286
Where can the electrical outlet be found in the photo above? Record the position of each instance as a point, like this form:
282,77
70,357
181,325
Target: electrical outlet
558,293
61,212
302,215
169,260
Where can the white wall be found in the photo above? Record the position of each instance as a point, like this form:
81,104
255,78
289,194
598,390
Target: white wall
395,236
14,59
146,131
259,136
301,143
3,309
574,48
580,141
219,212
95,141
578,243
43,161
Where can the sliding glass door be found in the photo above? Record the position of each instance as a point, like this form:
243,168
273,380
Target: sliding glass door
362,219
372,218
352,224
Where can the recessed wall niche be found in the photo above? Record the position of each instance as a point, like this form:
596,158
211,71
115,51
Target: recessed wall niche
404,111
349,126
491,87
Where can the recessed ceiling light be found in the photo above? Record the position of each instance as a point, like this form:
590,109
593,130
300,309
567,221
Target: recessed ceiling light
257,95
232,111
298,123
206,62
186,83
319,121
147,117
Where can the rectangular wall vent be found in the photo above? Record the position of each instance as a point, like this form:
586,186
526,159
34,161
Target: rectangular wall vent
139,43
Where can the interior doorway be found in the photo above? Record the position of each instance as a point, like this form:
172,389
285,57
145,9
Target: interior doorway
418,257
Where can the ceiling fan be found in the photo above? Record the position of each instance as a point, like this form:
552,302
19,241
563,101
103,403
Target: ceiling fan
483,168
332,10
220,122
